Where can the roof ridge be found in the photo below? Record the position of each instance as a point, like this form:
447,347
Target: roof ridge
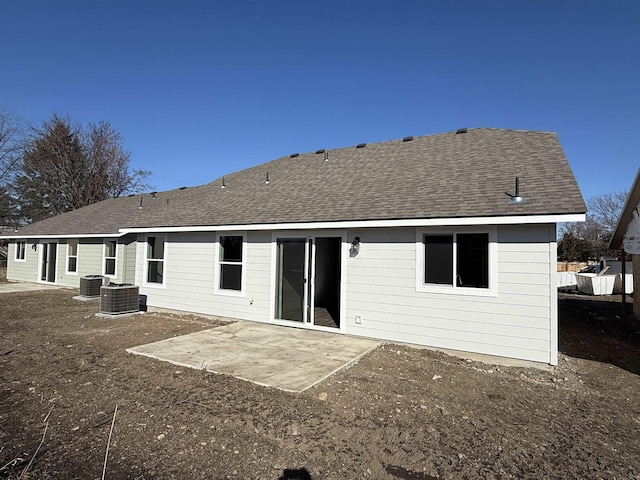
372,144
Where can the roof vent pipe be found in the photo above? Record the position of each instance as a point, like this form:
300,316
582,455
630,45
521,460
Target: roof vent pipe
223,185
267,179
326,156
461,130
361,145
407,139
516,198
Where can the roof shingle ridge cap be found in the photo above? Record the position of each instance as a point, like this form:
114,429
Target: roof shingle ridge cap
498,129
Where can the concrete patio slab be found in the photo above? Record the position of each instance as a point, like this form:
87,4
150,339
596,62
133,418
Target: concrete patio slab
291,359
11,287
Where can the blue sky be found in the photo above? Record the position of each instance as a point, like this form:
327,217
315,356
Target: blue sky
199,89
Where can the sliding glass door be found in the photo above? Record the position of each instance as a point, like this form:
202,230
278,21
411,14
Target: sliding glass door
49,252
308,278
292,279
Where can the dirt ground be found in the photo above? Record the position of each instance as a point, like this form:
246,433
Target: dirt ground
400,413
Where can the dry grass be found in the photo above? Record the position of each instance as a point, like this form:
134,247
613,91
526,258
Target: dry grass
3,274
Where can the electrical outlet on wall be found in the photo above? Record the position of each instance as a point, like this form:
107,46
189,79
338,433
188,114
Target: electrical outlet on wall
358,319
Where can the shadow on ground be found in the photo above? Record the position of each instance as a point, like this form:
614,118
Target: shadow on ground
597,328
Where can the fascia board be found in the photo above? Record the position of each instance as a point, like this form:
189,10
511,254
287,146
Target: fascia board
424,222
70,235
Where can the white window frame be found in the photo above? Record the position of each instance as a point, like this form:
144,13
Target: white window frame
145,273
16,256
105,258
454,289
219,262
68,256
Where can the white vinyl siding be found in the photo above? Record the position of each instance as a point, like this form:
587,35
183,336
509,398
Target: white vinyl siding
515,322
191,284
23,270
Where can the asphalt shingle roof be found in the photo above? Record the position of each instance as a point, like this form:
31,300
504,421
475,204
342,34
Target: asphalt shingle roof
445,175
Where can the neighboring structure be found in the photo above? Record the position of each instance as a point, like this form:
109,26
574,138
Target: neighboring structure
410,240
627,237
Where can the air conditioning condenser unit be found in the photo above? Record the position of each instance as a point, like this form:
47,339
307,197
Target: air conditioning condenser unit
90,285
118,299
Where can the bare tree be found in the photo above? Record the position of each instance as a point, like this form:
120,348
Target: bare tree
109,163
65,167
605,209
590,240
11,145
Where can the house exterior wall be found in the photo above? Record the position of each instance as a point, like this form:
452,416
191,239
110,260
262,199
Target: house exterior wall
519,320
22,271
189,270
128,258
516,318
90,260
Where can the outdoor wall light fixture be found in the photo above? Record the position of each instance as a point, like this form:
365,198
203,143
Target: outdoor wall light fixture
355,247
34,246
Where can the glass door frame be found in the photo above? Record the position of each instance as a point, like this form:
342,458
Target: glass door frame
307,312
44,258
310,257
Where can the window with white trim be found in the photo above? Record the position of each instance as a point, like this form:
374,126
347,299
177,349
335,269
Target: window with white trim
155,259
463,261
72,255
230,262
110,248
21,251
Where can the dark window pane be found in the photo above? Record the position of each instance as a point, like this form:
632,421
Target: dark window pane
473,260
231,248
155,248
110,250
231,277
438,259
151,243
110,266
155,272
20,250
73,247
73,262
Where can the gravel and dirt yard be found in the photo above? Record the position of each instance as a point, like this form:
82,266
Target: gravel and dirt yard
399,413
